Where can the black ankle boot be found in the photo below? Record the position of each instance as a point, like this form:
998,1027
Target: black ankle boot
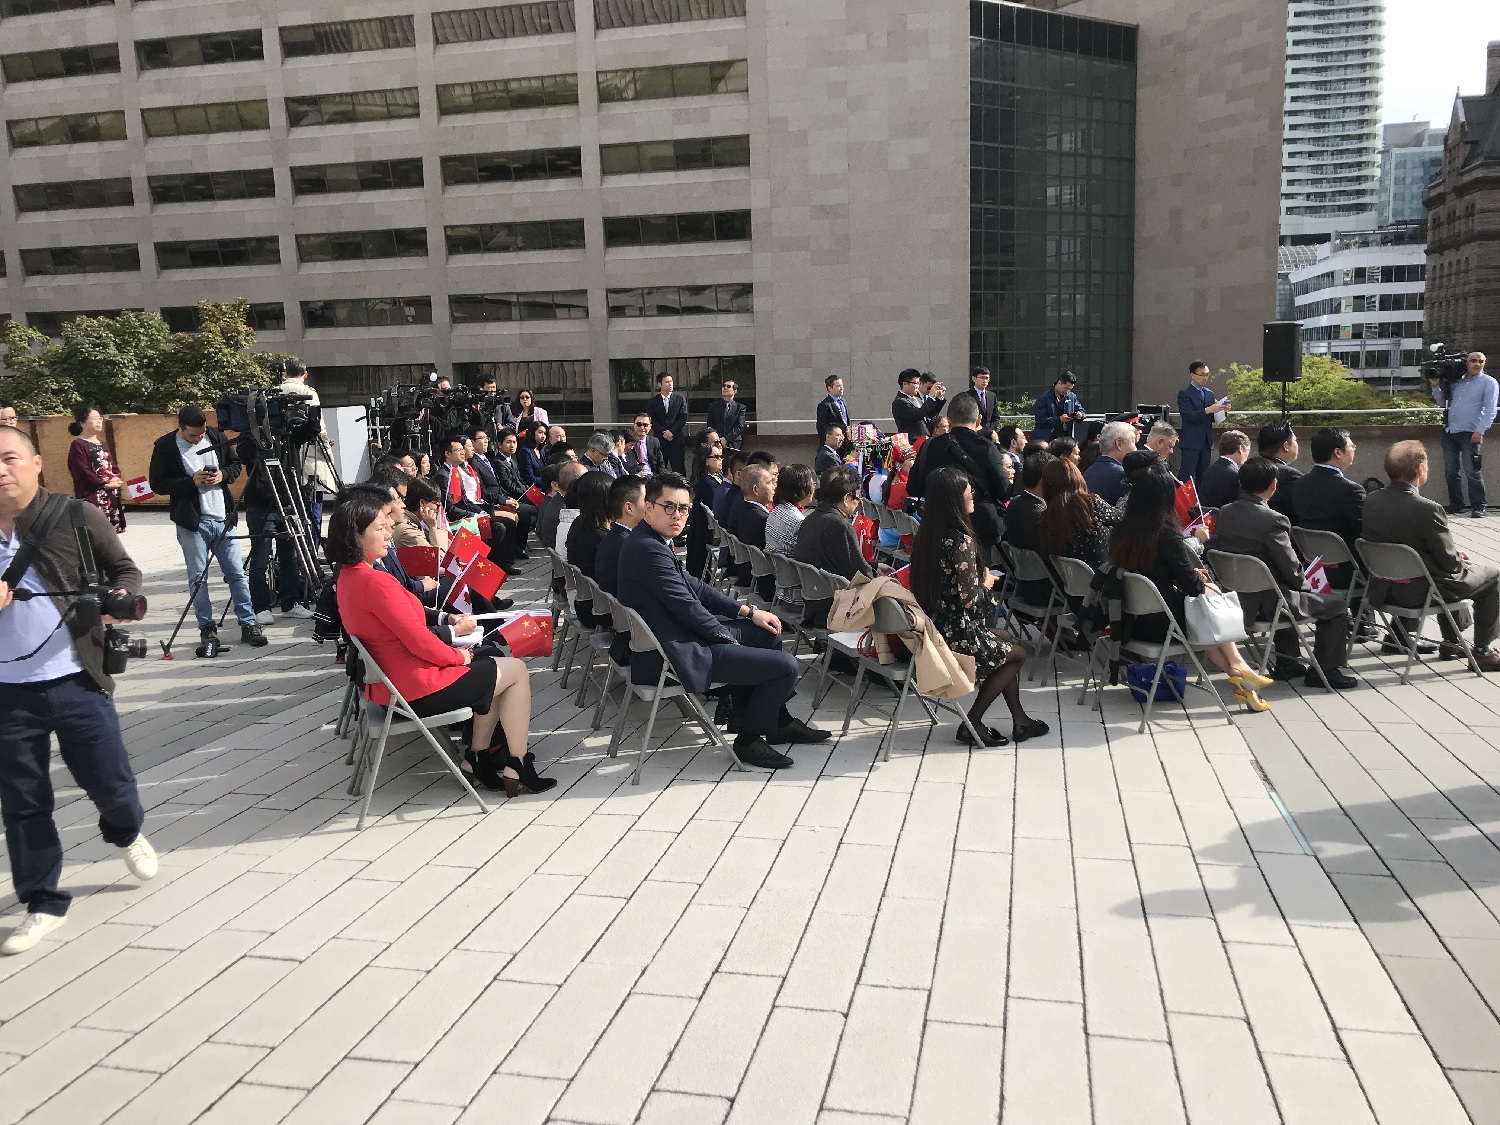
531,781
488,766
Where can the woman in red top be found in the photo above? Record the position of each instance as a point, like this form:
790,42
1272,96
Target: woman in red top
96,477
391,623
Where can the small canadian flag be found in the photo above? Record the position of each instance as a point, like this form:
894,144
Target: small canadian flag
139,489
1317,577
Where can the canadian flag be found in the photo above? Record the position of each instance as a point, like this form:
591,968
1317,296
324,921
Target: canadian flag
1317,577
139,489
461,602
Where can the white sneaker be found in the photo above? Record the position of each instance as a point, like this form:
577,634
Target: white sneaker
265,617
33,928
301,612
140,858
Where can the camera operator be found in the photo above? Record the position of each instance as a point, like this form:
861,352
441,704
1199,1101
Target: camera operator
1469,411
499,418
318,479
263,522
53,681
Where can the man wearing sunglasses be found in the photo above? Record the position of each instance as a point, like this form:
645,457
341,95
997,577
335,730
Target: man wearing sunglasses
643,456
709,637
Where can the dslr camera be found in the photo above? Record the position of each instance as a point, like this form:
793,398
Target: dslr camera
119,646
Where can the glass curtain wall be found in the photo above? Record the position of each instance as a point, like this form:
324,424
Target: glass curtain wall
1052,174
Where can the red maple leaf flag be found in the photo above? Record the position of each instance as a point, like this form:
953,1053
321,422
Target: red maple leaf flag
1317,577
420,562
139,489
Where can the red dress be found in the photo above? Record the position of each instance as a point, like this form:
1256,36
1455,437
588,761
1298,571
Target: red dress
91,464
390,622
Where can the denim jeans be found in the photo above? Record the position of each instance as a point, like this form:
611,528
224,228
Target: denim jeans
88,734
1459,451
195,546
265,521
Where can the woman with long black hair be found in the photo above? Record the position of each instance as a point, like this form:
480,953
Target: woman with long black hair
1148,540
532,437
588,530
958,595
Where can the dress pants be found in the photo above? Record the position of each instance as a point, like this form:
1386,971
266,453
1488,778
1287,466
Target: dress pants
1331,636
761,676
88,733
264,524
1195,462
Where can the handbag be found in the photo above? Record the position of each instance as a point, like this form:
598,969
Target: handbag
1173,674
1214,619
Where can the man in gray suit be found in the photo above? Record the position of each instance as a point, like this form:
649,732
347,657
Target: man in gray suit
1249,526
1399,513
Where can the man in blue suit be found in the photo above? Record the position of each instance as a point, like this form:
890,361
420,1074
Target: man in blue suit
709,637
1197,405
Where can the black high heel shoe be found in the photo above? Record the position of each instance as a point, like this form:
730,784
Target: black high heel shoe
530,779
486,767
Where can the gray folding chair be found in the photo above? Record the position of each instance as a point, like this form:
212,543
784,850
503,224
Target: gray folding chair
1246,574
1396,562
819,585
560,604
1141,597
1331,548
621,625
598,639
574,626
1028,566
760,567
667,686
711,573
740,553
1070,579
887,520
399,716
788,583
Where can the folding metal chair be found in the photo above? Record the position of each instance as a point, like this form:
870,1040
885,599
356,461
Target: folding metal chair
562,611
1141,597
1028,566
667,686
1070,580
760,567
1396,562
887,520
1246,574
398,715
1331,548
573,625
598,639
740,553
711,572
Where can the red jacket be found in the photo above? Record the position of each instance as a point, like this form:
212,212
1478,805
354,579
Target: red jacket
390,622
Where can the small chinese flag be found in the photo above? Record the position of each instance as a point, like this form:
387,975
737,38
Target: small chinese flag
864,532
420,562
529,635
534,496
1317,577
484,578
484,527
903,576
1186,501
139,489
463,549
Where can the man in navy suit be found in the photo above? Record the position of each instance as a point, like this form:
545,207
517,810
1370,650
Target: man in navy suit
833,410
669,415
643,456
727,417
914,415
1106,476
709,637
1197,405
979,390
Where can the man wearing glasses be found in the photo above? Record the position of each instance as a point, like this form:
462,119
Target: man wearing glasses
8,415
643,457
727,417
709,637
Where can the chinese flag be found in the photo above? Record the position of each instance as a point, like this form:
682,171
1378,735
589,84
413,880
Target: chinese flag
484,578
534,496
1186,501
139,489
420,562
864,531
484,527
463,549
903,576
530,635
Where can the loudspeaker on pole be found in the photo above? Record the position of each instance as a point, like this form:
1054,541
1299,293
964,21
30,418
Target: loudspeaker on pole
1281,357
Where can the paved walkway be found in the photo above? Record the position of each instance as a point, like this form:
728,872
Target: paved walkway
1104,927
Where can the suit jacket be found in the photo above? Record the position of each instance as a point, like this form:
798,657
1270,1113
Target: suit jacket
1022,516
529,464
508,476
752,533
671,415
392,624
1398,513
825,460
830,414
1049,412
1106,479
914,418
987,407
727,419
1221,484
978,456
655,461
1286,487
489,483
683,612
1327,500
1197,429
607,559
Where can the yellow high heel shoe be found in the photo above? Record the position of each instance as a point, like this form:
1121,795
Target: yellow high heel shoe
1249,700
1249,681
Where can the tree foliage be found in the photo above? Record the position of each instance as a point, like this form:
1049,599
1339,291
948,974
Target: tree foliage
132,363
1326,384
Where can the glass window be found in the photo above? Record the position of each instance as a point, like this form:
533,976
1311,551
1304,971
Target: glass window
470,25
680,300
507,94
367,175
200,50
366,312
698,378
346,109
682,80
51,323
67,129
122,257
563,386
363,245
504,238
215,117
71,194
503,167
61,62
41,7
638,13
204,187
674,156
219,253
268,317
696,226
345,37
483,308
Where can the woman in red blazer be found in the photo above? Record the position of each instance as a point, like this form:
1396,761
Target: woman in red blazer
431,676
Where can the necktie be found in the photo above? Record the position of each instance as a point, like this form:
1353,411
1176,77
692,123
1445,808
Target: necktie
641,457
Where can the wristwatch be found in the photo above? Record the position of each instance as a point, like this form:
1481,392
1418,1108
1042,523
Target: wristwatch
748,611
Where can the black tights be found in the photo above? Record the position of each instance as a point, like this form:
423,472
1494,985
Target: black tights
1004,680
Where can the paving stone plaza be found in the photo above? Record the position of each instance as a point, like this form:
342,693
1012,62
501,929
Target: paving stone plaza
1102,926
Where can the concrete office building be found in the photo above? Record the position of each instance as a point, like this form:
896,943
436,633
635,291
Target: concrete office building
1361,302
1411,154
1331,122
575,194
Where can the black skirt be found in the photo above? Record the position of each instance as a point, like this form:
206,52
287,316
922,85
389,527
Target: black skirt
475,689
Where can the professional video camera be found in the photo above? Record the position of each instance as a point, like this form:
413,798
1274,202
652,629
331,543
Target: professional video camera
415,416
1446,366
270,416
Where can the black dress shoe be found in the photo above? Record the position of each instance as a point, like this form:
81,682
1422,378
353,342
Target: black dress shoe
502,604
754,750
1338,679
989,736
1288,669
797,731
1424,648
1033,729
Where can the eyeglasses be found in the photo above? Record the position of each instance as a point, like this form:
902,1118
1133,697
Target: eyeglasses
673,510
643,425
714,457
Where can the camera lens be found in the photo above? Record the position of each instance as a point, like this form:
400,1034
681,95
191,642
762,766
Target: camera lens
124,607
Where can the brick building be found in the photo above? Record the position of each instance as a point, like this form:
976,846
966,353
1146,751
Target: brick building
1463,208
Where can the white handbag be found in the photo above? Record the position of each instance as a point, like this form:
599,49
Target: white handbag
1213,619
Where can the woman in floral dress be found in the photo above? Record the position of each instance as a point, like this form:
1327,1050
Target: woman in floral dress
958,596
96,477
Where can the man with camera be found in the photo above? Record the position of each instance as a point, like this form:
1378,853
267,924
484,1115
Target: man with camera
1468,404
55,679
193,466
913,412
318,477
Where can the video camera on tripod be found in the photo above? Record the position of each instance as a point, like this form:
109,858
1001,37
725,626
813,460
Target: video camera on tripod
271,417
413,417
